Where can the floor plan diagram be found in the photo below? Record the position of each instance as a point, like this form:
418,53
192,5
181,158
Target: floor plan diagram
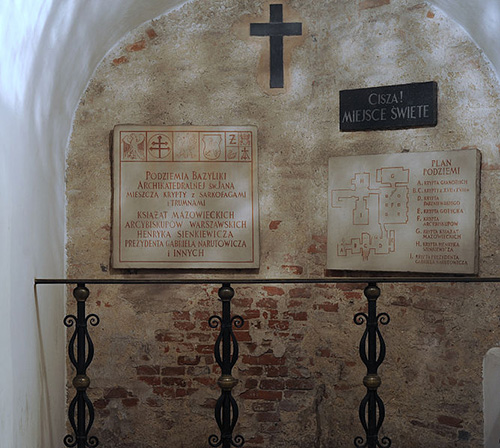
376,206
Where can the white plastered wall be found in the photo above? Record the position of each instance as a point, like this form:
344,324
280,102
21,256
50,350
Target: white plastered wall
48,52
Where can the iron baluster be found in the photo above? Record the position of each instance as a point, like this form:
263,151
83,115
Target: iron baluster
81,341
226,408
371,409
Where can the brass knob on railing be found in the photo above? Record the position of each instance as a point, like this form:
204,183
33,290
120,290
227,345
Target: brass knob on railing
227,382
81,382
372,381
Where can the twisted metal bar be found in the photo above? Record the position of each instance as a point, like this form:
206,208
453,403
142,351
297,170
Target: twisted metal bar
371,409
226,354
82,344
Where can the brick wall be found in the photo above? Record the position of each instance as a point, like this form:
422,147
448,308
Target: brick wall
300,378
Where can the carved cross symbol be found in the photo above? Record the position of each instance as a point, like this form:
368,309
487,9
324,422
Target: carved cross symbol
276,29
160,146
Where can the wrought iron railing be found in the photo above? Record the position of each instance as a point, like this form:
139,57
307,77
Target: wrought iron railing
372,349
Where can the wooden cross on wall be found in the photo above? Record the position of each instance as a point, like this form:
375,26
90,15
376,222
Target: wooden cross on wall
276,29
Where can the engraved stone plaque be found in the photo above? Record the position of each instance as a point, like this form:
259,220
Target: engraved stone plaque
413,212
185,197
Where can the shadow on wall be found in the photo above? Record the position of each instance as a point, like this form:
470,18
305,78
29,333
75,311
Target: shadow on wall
491,391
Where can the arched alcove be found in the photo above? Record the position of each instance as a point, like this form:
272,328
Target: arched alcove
49,51
198,65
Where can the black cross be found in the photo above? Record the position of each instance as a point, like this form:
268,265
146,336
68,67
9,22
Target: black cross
276,29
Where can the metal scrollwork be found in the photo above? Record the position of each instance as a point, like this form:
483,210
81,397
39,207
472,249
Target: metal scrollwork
371,408
81,352
214,321
383,319
226,353
360,318
237,321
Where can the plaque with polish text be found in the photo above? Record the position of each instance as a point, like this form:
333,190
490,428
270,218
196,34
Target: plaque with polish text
409,212
185,197
389,107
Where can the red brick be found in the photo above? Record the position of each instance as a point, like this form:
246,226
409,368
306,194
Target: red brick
267,303
173,371
279,325
295,303
350,286
258,439
243,302
209,403
267,359
185,348
273,225
324,353
297,270
154,402
251,383
251,346
198,370
328,307
320,238
267,395
151,33
202,315
181,315
206,380
317,249
242,336
169,381
450,421
297,337
368,4
300,316
277,371
273,290
184,326
253,371
270,314
205,349
304,293
167,336
179,393
251,314
147,370
202,337
164,391
101,403
272,384
265,406
187,361
121,60
151,380
130,402
299,384
136,46
209,359
116,392
353,295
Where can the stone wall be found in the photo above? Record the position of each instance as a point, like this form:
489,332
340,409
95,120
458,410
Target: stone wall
154,375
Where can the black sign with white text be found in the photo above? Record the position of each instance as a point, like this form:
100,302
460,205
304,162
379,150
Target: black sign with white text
389,107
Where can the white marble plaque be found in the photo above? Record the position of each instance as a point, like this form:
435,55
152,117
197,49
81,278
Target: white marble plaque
185,197
412,212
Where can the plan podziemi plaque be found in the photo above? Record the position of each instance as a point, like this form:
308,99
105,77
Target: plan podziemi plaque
185,197
412,212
